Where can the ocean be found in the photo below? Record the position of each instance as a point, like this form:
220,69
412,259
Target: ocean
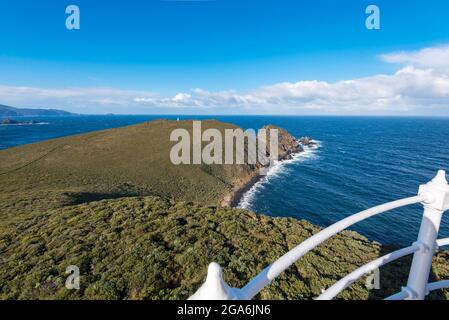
359,162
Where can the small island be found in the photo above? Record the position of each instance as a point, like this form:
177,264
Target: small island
16,122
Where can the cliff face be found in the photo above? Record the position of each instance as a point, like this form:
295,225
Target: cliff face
287,147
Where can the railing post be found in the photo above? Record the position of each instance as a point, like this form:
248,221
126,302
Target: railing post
437,193
215,288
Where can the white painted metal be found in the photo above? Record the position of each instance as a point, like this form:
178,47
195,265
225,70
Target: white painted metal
271,272
214,288
434,206
333,291
407,294
403,295
435,198
437,285
443,242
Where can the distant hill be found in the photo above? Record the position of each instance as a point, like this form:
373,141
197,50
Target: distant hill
128,161
7,111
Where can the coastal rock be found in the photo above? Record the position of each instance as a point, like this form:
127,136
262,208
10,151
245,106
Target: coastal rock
288,145
9,121
307,141
12,122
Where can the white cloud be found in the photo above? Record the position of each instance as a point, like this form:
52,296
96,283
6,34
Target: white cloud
89,100
420,86
434,57
408,89
182,97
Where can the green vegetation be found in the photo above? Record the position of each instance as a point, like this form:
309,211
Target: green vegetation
129,161
111,203
149,248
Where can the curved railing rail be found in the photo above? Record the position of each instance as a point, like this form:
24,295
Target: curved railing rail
369,267
443,242
435,198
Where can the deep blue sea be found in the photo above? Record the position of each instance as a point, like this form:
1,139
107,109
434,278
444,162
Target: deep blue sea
360,162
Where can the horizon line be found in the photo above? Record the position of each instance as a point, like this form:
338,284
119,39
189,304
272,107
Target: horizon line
237,115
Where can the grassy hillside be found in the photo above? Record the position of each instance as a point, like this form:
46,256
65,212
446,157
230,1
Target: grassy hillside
157,226
133,160
150,248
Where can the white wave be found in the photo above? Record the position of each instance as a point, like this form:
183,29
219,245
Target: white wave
279,167
24,124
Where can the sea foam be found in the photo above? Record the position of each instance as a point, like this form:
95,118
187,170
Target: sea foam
275,170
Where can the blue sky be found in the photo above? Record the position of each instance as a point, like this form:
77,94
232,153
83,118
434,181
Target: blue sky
223,56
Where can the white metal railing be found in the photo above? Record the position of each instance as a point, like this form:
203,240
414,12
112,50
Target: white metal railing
434,196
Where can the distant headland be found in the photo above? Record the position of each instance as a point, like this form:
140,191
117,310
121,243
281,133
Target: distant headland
7,111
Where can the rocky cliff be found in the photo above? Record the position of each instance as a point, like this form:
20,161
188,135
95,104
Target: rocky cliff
288,146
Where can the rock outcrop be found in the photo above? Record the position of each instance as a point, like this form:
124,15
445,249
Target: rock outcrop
288,146
307,141
8,121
